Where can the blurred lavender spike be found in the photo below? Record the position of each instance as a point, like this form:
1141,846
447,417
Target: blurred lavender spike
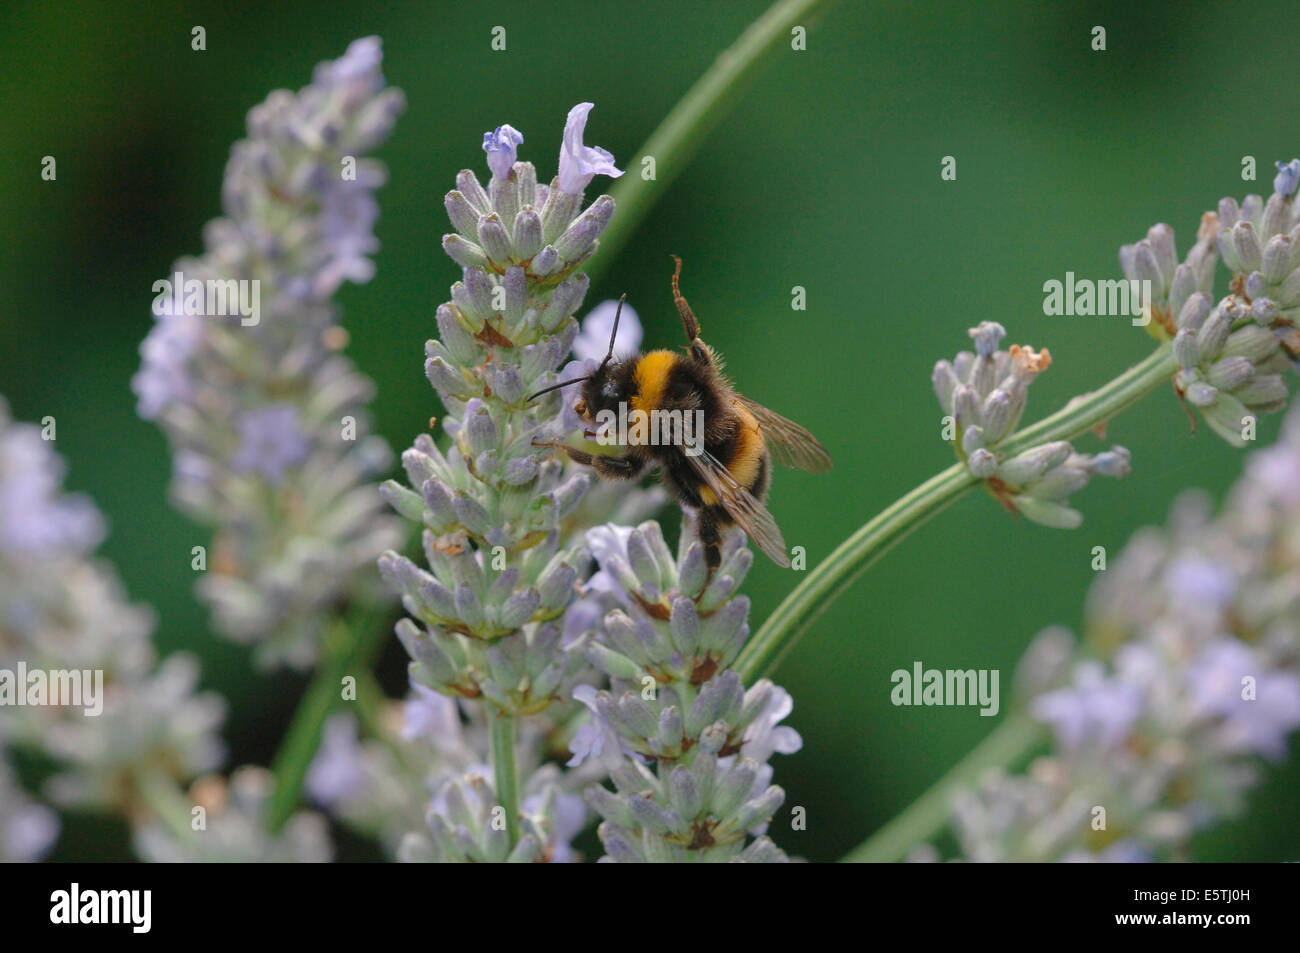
63,611
1190,677
267,420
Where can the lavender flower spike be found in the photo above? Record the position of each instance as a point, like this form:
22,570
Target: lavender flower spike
1159,737
495,619
689,756
62,610
267,420
1233,356
983,395
237,830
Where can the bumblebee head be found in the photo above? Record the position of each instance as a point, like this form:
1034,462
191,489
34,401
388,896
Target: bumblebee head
606,387
609,386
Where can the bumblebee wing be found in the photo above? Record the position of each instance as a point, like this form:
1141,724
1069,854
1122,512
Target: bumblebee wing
749,514
790,444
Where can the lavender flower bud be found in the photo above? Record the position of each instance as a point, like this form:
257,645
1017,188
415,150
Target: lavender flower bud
966,407
582,234
1230,373
1181,288
1048,513
494,239
1186,353
464,217
1032,464
1279,259
982,464
1252,342
1114,462
1143,265
685,624
987,336
1264,311
735,786
1214,333
1248,254
527,233
1288,177
999,413
1161,239
1194,312
1202,394
1264,391
468,185
465,253
945,384
1226,415
500,145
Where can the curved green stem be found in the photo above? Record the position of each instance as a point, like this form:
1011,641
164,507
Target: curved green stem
503,768
675,140
835,574
838,571
350,648
1010,742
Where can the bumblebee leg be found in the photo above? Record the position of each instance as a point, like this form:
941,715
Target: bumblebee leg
699,350
617,468
711,517
577,456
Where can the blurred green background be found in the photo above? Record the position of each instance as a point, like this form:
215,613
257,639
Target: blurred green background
826,175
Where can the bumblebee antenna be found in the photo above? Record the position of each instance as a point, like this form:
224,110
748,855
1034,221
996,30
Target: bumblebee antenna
608,356
547,390
618,312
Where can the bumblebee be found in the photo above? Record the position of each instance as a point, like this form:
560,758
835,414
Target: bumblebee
725,480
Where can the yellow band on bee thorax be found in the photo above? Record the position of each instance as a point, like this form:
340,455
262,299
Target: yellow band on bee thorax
652,379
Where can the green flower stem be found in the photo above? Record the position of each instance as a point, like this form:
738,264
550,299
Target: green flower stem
1009,743
834,575
370,713
351,645
679,135
168,801
507,777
